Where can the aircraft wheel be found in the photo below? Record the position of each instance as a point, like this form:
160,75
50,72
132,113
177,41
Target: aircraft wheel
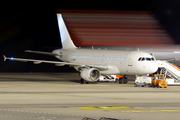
116,80
135,85
82,81
120,81
125,80
142,85
87,82
87,118
102,118
157,85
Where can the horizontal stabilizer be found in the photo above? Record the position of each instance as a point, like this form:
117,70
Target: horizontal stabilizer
4,57
44,53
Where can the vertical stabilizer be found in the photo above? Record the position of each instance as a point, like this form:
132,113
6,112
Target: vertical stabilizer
66,41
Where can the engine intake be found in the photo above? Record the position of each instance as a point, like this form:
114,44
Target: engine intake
90,74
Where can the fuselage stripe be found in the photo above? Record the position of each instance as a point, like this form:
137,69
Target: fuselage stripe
97,57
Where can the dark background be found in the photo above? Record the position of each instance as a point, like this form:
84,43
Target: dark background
35,28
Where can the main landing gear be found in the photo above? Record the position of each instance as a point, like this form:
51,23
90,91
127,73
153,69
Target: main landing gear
84,81
123,80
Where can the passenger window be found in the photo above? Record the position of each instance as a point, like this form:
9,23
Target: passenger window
152,59
139,59
143,59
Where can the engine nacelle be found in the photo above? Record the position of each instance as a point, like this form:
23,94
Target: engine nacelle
90,74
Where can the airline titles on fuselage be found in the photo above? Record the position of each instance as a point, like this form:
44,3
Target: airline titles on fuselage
97,57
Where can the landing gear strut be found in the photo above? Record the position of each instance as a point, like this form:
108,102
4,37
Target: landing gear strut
84,81
123,80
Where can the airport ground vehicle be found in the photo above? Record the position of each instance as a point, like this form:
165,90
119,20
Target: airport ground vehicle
117,78
159,81
109,78
113,78
142,81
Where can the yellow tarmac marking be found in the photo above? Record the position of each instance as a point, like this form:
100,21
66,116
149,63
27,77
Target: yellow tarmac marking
145,111
103,107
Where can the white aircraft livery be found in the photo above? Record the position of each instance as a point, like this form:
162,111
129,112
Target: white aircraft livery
92,63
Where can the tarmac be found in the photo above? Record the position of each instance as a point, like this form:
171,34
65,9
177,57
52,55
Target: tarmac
60,96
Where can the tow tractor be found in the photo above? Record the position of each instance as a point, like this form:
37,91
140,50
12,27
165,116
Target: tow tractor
159,81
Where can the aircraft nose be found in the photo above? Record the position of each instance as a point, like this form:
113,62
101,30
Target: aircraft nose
154,68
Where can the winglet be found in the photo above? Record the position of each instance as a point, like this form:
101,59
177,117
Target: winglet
4,57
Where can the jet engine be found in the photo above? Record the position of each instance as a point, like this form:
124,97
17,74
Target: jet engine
90,74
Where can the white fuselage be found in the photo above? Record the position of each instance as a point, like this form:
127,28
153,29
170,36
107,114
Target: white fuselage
92,63
118,62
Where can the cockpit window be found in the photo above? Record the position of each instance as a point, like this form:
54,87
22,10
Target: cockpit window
148,59
145,59
142,59
152,59
139,59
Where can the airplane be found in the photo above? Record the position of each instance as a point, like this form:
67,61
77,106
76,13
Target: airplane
92,63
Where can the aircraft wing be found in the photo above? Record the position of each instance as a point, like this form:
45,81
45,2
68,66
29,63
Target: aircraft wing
44,53
57,63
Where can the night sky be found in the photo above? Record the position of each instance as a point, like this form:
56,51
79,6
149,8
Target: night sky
28,29
36,29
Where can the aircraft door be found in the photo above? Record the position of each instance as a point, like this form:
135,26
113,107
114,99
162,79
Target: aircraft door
130,59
